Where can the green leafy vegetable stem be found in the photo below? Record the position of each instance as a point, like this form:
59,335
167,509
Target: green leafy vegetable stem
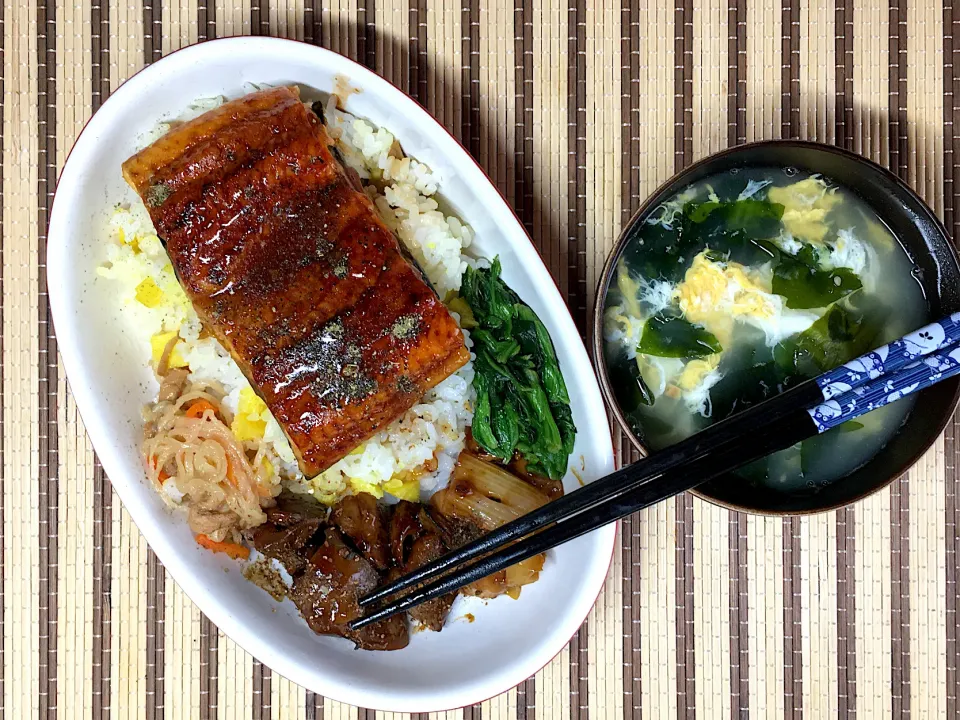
522,401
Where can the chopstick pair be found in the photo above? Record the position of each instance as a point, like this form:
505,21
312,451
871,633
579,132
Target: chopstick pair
889,373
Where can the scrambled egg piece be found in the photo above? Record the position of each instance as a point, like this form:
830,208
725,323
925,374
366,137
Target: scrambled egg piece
250,421
403,489
697,398
630,291
849,252
328,486
148,293
157,345
696,371
362,486
714,295
717,295
147,282
657,372
694,381
655,293
268,468
805,207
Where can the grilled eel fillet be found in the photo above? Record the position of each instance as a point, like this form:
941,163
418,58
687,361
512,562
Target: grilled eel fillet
289,265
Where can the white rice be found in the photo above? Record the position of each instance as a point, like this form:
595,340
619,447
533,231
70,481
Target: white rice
437,241
431,432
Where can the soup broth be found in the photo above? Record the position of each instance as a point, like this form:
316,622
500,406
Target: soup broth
743,285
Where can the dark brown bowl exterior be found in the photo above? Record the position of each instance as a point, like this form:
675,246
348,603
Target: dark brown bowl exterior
925,241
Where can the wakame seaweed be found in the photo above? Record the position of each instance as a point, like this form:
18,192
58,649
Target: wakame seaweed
804,285
760,378
741,230
669,335
626,377
522,401
737,230
848,329
754,218
656,251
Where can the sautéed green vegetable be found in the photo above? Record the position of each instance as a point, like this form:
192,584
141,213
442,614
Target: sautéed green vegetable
522,402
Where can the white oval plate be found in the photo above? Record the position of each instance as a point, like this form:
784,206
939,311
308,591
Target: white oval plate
469,661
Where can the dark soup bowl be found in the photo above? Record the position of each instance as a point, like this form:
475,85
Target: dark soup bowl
930,288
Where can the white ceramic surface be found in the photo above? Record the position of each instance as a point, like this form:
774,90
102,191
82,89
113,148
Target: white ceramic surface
469,661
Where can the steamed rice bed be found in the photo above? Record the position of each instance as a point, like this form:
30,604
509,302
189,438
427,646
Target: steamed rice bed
414,455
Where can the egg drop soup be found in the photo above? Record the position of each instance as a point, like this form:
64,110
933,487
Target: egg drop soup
743,285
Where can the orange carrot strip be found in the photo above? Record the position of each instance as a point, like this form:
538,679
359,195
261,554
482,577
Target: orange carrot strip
237,552
231,476
198,407
163,476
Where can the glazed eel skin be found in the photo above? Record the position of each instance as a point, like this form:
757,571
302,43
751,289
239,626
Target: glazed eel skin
288,264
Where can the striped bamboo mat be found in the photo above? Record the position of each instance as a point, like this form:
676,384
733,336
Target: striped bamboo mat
577,111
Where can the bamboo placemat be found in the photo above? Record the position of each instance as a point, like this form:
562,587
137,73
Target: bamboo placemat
577,112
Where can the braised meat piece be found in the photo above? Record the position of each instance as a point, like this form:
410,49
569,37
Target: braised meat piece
292,508
415,541
286,544
433,613
455,530
405,528
327,594
359,518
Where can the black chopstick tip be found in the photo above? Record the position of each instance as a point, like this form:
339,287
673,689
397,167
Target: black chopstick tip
371,598
362,622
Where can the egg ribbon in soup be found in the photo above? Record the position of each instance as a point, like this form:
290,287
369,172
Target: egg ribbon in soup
743,285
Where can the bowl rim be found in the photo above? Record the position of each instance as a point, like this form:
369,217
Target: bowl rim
611,530
673,183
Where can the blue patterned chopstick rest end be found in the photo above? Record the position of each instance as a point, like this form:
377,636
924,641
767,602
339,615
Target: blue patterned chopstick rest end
890,358
890,388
